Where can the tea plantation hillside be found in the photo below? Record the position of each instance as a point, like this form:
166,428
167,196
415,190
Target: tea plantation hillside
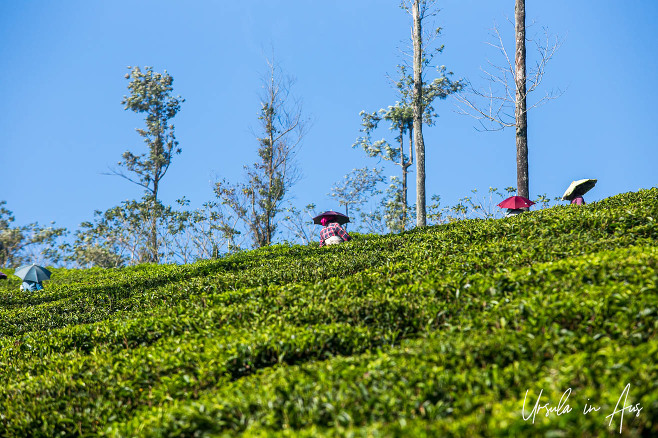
434,332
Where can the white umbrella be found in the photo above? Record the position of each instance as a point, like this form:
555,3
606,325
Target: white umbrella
578,188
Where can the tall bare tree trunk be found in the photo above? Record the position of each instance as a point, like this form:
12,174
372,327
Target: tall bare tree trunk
520,113
404,166
154,224
270,173
418,116
405,173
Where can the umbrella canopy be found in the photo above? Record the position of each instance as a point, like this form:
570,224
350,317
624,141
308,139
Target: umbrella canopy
32,273
340,217
516,202
578,188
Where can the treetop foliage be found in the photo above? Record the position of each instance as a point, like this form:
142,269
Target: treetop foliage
151,93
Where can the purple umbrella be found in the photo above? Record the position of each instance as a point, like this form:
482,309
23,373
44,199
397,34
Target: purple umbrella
339,217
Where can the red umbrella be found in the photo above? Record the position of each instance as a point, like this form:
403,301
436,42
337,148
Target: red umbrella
516,202
340,217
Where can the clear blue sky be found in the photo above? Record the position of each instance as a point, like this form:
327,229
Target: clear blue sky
62,67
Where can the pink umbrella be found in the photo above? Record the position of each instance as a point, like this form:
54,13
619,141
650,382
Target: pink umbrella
516,202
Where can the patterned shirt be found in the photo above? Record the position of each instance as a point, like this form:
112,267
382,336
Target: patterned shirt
333,229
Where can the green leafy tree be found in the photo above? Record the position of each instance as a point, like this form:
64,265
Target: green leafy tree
372,208
357,188
401,121
395,214
258,201
151,94
94,245
204,233
31,243
421,12
118,236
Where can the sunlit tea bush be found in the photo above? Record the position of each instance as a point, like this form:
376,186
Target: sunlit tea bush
438,331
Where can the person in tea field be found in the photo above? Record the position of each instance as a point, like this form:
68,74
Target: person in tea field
31,286
513,212
332,233
516,205
32,276
577,189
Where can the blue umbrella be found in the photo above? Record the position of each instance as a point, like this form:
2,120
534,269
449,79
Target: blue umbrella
32,272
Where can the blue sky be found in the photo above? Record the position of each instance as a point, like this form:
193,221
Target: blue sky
62,67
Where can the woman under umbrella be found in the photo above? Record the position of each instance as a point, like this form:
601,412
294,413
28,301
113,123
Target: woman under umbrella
515,205
332,232
577,189
32,276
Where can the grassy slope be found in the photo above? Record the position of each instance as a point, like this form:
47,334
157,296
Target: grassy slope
437,331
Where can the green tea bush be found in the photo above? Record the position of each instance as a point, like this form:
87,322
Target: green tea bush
433,332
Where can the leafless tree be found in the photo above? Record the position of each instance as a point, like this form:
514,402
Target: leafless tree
503,103
299,223
203,233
